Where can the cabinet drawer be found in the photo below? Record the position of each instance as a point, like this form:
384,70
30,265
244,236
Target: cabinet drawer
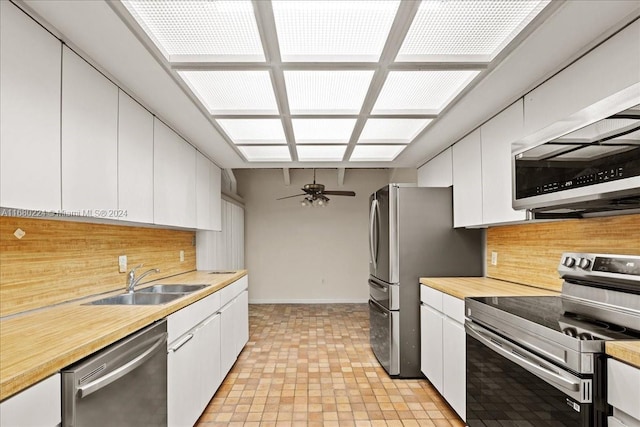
233,290
453,307
181,321
623,385
431,297
39,405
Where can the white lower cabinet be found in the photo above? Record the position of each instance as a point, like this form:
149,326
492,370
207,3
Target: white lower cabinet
38,406
205,340
623,394
443,359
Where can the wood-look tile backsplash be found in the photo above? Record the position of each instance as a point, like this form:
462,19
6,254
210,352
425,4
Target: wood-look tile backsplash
530,253
57,261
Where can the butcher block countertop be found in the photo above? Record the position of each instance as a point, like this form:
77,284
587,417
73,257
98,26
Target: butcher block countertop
625,351
462,287
37,344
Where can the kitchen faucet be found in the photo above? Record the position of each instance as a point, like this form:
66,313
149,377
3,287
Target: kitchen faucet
133,280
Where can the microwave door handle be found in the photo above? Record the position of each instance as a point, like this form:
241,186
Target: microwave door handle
371,226
123,370
490,340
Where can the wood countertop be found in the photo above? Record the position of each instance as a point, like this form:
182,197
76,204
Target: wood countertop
462,287
625,351
37,344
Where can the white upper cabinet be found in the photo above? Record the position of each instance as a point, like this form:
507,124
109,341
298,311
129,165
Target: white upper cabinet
606,70
208,199
174,183
135,160
497,135
467,181
215,180
89,138
30,68
437,172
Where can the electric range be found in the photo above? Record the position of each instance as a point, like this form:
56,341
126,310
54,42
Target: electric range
540,360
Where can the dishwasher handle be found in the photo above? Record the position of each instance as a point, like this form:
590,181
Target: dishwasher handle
123,370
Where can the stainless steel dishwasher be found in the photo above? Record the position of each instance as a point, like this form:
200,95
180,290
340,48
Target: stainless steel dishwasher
124,384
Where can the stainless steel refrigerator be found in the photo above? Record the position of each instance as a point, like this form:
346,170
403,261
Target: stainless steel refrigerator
411,235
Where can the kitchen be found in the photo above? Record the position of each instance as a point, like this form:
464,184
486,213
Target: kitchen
293,254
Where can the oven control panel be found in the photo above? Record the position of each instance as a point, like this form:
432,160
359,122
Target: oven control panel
604,265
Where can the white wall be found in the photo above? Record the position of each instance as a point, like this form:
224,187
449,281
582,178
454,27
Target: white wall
298,254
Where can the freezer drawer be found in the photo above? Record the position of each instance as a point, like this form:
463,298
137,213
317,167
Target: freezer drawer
384,337
385,294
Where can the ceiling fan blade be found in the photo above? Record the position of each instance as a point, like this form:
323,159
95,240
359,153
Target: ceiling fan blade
339,193
288,197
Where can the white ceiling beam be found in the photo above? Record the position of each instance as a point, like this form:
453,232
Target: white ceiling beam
269,36
287,176
404,17
233,182
341,172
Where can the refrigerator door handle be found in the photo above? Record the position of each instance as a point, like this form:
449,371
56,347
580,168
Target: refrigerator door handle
376,246
372,214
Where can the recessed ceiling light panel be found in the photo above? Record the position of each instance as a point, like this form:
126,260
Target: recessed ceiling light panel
376,153
321,153
266,153
335,31
327,92
380,131
314,131
466,30
254,131
420,92
233,92
222,30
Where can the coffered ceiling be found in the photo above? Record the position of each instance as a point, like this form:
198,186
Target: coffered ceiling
328,81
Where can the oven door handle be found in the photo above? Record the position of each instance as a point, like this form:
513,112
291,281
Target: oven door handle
497,344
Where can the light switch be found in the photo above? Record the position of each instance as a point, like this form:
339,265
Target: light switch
494,258
181,256
122,263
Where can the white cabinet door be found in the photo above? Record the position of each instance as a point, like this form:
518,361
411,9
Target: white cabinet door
454,365
135,160
467,181
174,173
431,346
38,406
89,138
437,172
30,68
497,136
215,179
227,339
241,312
209,355
183,381
203,192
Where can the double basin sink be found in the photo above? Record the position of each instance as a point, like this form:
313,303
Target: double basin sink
153,295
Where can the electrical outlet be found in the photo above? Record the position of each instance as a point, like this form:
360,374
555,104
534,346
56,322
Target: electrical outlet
181,256
494,258
122,263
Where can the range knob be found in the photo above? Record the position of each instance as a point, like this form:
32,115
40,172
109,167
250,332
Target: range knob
569,262
584,263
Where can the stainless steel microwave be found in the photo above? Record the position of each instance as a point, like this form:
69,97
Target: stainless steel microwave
592,170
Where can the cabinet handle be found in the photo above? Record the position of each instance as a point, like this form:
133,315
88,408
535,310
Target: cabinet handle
182,342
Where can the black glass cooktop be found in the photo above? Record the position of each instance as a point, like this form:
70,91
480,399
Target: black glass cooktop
549,312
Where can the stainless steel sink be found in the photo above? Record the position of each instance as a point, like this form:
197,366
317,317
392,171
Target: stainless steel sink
137,299
170,289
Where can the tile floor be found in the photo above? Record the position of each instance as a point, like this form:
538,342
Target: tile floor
311,365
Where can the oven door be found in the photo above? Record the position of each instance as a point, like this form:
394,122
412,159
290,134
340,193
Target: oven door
508,385
384,337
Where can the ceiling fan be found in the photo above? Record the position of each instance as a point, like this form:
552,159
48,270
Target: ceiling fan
316,195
